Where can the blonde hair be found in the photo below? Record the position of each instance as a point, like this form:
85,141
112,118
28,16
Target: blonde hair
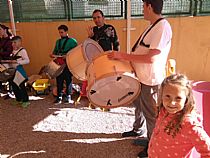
173,126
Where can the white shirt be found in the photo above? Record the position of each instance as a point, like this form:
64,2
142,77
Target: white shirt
159,37
24,59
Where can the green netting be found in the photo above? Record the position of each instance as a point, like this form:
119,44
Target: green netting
84,8
171,7
4,11
204,7
51,10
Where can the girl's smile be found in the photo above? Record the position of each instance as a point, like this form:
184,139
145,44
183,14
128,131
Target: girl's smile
174,98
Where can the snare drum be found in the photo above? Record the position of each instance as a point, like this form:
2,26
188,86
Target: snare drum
53,70
111,83
78,58
7,74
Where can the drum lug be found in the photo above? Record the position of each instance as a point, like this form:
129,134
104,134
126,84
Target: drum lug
92,92
94,80
109,103
115,69
119,78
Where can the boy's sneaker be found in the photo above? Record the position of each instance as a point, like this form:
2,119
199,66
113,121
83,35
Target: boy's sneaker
143,153
25,104
58,100
133,133
68,100
16,103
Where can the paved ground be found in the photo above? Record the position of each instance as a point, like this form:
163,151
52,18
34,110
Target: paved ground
44,130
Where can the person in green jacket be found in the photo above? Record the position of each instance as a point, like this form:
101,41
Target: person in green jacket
62,46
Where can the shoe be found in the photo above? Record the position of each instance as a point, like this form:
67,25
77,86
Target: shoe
141,142
68,100
6,97
91,106
133,133
58,100
105,109
25,104
16,103
143,153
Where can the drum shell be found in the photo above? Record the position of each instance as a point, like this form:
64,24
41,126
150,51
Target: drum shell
102,68
79,57
77,63
53,70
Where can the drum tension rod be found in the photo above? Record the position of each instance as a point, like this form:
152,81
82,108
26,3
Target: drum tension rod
119,78
92,92
115,70
109,102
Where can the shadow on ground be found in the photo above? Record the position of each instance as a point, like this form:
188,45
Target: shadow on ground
18,138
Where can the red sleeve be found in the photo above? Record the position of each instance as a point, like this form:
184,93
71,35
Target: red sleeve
198,136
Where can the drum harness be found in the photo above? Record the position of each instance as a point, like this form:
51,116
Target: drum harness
141,42
61,50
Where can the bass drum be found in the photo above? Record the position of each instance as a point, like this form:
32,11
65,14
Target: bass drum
111,83
78,58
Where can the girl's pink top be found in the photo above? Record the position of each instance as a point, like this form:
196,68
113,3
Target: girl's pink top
190,135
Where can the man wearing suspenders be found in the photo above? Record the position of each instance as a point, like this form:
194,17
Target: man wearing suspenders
63,45
149,58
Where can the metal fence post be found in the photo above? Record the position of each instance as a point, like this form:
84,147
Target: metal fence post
126,8
67,7
195,9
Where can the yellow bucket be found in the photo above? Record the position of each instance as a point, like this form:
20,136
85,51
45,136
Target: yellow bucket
41,84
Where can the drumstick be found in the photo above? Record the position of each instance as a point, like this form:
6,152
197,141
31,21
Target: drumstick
8,61
59,56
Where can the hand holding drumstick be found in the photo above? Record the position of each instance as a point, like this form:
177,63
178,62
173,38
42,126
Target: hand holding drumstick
57,56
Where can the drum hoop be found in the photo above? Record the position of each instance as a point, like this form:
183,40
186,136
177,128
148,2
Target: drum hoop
109,75
90,41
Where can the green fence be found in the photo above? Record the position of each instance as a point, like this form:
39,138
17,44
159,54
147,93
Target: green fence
53,10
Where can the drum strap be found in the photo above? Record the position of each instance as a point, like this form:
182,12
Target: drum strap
141,42
60,49
15,56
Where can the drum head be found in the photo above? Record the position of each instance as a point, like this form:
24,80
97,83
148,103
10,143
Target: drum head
53,70
91,49
114,91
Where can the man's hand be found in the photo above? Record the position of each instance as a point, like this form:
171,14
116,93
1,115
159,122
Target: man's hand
116,55
52,56
90,31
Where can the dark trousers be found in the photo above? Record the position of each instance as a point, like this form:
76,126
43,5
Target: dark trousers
145,108
1,87
20,91
66,75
